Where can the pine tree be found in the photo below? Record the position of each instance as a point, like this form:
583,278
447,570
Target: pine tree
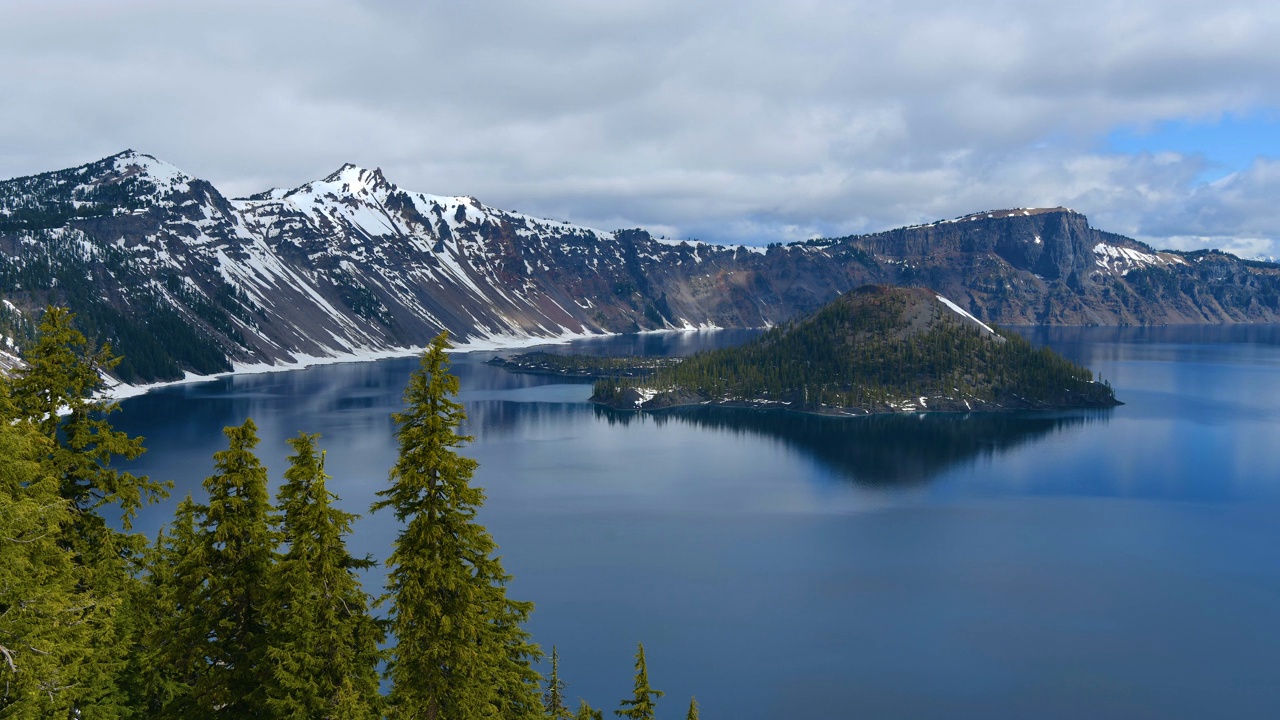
323,660
238,547
62,374
42,644
586,712
641,703
553,698
172,633
461,650
57,392
693,709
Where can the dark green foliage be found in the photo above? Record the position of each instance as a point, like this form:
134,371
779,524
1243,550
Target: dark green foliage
238,547
212,621
323,659
63,374
872,348
553,698
172,622
241,631
640,706
360,298
460,649
209,585
586,712
42,644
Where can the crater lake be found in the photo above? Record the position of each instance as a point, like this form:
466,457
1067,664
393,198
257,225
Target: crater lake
1114,563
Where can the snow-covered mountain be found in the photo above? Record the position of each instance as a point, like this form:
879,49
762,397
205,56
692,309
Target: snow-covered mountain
181,278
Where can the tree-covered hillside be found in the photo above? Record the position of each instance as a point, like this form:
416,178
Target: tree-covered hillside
874,349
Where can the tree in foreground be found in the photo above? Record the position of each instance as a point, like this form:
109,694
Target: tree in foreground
553,698
461,650
693,709
323,659
57,392
172,618
641,705
238,547
586,712
42,642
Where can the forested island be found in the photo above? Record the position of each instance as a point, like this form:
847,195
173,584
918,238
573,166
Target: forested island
873,350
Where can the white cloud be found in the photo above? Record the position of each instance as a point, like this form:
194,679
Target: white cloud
738,121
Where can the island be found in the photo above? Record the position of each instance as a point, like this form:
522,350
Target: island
876,349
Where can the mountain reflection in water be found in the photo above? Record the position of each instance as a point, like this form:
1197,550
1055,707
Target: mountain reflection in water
880,450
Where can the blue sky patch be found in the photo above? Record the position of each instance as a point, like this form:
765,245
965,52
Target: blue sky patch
1228,143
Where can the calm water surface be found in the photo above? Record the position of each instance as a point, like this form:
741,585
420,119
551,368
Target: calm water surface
1121,563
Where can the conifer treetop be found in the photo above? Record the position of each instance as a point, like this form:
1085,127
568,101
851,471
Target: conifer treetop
59,389
641,705
553,698
323,655
461,650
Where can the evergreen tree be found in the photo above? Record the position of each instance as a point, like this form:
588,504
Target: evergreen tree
62,374
42,643
461,650
693,709
586,712
238,546
173,621
57,392
641,703
553,698
323,661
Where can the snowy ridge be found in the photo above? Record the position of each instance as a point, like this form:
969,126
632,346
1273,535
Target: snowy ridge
352,265
698,243
121,390
992,215
1122,260
167,179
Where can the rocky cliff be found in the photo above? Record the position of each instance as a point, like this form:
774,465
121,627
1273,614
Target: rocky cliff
181,278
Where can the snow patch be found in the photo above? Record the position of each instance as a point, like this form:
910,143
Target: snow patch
299,361
1123,259
645,395
964,313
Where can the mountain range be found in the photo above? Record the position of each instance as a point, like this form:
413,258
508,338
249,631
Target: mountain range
181,278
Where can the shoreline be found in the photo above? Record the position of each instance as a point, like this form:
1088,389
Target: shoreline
908,408
122,391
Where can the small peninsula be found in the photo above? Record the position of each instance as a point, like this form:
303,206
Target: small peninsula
875,349
582,366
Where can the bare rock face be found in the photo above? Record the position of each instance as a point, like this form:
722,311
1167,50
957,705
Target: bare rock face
180,278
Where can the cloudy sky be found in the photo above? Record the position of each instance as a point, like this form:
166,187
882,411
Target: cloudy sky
725,121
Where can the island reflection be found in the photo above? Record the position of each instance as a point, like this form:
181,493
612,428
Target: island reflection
880,450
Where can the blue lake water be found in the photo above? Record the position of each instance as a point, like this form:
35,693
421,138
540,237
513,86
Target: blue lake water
1120,563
